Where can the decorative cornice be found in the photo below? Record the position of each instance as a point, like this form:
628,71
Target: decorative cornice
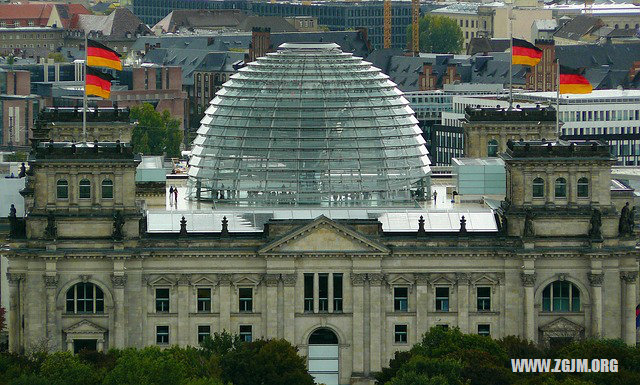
50,281
629,276
595,279
119,281
528,279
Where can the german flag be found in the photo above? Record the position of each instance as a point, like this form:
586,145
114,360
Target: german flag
99,55
525,53
98,83
572,81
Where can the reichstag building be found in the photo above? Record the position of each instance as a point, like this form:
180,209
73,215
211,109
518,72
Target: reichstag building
305,222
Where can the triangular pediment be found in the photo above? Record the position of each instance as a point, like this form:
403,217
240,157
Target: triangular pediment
203,281
400,280
484,280
246,281
85,327
561,325
442,280
161,281
322,235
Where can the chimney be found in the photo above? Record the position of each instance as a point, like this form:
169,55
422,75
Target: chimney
260,42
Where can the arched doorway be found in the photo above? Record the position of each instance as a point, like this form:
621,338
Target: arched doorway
323,357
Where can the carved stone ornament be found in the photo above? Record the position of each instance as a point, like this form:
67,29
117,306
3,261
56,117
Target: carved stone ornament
376,278
50,281
184,279
85,277
463,278
289,279
15,278
271,279
528,279
595,279
629,276
357,279
224,278
119,280
422,278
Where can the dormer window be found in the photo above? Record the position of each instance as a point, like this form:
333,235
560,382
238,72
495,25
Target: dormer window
85,189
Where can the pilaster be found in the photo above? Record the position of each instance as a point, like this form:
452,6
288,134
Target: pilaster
629,306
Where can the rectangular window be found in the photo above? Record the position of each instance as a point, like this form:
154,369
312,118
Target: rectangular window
400,334
162,335
246,299
337,292
204,331
323,292
484,329
246,334
204,300
162,300
442,299
308,293
484,298
400,299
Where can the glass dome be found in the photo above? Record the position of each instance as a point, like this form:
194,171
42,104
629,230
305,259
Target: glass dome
309,124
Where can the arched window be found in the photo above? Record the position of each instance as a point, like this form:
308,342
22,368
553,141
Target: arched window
492,148
62,189
583,188
107,189
85,298
561,188
561,296
85,189
538,188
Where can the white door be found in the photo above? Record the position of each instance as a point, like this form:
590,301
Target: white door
323,364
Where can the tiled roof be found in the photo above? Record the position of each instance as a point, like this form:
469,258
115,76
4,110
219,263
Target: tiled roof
116,25
579,26
25,11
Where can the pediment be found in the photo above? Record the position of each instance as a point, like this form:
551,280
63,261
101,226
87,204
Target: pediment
246,281
484,280
322,235
400,280
442,280
203,281
85,327
561,325
161,281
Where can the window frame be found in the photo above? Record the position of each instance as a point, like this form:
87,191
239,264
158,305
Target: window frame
243,334
65,186
573,301
492,148
399,334
103,186
158,301
81,189
560,183
166,334
247,301
440,300
537,183
399,301
583,182
203,335
206,301
96,299
483,303
486,333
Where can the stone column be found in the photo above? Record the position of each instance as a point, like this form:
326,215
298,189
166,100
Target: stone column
357,283
225,302
528,281
422,304
550,188
271,282
376,324
183,309
51,284
289,282
14,311
119,281
330,292
316,292
463,301
596,279
629,306
70,345
100,346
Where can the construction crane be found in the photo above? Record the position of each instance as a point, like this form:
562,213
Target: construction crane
415,16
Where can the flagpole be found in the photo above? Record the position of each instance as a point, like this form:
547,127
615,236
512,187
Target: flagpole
84,97
511,60
558,97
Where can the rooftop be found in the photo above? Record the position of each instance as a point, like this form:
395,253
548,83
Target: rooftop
81,152
483,114
70,114
557,149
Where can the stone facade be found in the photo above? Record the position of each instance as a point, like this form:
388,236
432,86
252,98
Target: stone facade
484,128
298,276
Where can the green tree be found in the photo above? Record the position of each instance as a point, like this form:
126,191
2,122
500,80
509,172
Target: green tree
57,57
438,34
148,366
157,133
274,362
63,368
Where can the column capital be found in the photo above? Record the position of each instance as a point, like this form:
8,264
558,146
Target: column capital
376,278
629,276
357,279
184,279
15,278
463,278
271,279
224,278
595,279
50,281
289,279
421,278
119,281
528,279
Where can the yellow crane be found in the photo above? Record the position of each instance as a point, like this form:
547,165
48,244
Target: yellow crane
415,16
